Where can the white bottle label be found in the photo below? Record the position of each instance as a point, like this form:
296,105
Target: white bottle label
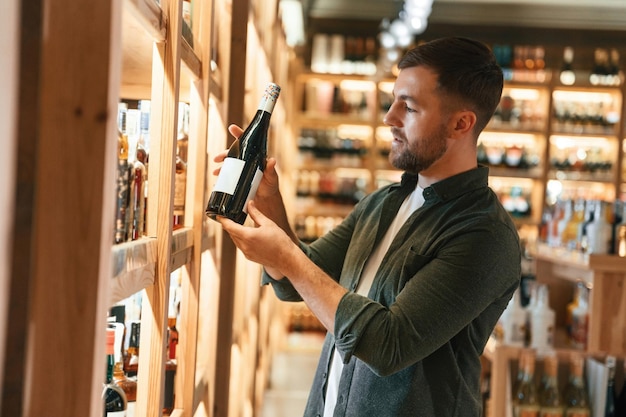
116,414
229,175
258,176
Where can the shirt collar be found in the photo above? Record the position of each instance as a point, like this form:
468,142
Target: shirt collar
451,187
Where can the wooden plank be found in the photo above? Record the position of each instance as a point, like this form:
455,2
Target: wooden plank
234,80
194,216
80,70
134,265
163,130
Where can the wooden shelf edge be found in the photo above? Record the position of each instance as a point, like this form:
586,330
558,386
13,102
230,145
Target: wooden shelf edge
191,60
576,259
134,267
182,247
149,15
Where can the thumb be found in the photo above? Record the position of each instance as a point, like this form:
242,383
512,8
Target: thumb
255,214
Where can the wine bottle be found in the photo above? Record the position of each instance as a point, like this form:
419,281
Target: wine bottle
620,402
113,396
550,396
122,189
243,168
609,409
542,321
131,360
575,394
526,402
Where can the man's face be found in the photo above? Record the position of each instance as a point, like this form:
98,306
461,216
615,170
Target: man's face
417,122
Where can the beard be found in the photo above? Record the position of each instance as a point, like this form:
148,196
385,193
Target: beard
416,155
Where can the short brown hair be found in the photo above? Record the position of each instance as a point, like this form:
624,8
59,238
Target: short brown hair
466,69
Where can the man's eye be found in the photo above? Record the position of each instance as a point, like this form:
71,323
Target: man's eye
408,109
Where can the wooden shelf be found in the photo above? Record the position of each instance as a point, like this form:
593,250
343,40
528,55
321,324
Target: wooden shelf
134,266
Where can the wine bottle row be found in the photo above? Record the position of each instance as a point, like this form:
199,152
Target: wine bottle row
530,321
133,153
551,391
123,349
588,226
328,186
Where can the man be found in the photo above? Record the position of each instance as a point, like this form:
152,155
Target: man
412,282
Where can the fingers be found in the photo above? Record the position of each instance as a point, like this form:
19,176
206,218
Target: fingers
255,214
235,130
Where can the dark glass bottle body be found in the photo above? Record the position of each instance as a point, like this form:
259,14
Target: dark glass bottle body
243,167
113,396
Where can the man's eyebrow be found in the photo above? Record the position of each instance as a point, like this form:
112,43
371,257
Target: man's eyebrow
406,97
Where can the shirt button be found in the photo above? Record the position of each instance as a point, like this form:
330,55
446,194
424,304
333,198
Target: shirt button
324,375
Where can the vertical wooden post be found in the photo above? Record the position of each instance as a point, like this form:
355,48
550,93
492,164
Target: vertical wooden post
72,207
235,86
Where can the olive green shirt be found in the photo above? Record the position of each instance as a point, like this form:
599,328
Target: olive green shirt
413,346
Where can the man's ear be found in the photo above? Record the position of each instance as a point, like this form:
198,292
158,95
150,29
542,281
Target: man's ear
465,121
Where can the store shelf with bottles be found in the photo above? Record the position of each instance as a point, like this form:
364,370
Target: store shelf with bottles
513,144
562,271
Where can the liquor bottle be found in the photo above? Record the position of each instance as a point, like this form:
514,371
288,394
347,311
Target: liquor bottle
180,175
122,189
575,393
113,396
619,230
567,76
620,402
550,396
599,231
609,409
580,318
542,321
513,321
243,168
128,385
171,366
570,233
131,359
137,203
526,402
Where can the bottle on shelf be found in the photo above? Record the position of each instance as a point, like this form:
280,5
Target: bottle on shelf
569,238
550,399
513,321
137,202
575,394
122,187
131,359
243,167
619,230
599,230
567,75
542,321
114,398
609,409
180,175
525,399
580,318
620,402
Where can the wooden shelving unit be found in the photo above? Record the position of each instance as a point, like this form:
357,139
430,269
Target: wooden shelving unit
64,273
560,269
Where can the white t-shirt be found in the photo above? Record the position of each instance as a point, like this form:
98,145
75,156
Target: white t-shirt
412,202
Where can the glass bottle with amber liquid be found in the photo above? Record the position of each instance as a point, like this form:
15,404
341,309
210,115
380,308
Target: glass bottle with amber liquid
242,170
180,175
575,393
526,400
114,398
550,396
